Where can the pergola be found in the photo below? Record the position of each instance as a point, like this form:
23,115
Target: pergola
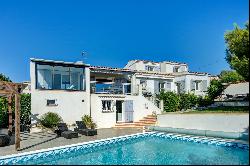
10,90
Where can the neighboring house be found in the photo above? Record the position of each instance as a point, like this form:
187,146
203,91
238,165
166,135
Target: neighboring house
109,95
170,76
236,90
27,89
235,94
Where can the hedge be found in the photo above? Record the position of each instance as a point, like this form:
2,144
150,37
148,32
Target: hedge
25,109
176,102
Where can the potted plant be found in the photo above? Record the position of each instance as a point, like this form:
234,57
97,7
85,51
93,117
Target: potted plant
87,120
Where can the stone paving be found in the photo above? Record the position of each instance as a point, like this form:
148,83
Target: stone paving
44,140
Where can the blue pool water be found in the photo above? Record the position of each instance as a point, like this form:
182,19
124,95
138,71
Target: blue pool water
150,150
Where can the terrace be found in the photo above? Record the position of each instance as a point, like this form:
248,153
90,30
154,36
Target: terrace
105,80
44,140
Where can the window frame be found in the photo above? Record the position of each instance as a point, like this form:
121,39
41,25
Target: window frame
83,68
107,104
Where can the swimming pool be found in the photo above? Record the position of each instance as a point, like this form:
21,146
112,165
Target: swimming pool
143,148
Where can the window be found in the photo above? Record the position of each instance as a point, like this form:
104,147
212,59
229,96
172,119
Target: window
60,77
196,85
44,77
168,86
176,69
143,84
106,106
51,103
149,68
161,86
178,85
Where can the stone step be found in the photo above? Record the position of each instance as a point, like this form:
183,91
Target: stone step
125,124
149,118
128,126
146,120
139,124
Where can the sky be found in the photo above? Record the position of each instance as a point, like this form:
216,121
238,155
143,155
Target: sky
112,32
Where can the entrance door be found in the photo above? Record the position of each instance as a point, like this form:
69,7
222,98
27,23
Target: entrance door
129,110
118,110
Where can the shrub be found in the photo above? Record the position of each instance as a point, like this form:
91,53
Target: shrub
171,101
187,101
3,112
25,110
215,89
50,119
87,120
204,102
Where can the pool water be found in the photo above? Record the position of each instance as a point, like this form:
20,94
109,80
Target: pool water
151,150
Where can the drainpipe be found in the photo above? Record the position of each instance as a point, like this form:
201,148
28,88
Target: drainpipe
90,104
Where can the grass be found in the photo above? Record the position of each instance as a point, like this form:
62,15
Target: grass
221,110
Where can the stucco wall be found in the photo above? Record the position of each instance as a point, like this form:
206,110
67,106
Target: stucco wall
70,105
107,120
214,122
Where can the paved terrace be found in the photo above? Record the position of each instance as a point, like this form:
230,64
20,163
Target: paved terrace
44,140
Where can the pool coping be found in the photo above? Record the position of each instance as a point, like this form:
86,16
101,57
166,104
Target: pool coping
26,156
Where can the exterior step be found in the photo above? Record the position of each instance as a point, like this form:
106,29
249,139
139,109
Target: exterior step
149,120
128,126
146,120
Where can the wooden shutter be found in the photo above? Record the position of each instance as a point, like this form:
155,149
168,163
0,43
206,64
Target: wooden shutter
204,85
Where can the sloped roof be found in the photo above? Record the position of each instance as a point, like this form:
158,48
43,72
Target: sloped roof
237,89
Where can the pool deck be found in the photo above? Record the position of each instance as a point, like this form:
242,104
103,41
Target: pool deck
44,140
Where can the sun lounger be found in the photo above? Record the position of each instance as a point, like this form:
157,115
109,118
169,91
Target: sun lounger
82,129
62,130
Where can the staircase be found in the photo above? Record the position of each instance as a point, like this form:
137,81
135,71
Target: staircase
149,120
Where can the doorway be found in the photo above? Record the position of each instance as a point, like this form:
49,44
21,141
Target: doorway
118,110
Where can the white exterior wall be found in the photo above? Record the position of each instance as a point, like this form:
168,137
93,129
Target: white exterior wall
188,78
130,65
107,120
140,65
168,67
71,105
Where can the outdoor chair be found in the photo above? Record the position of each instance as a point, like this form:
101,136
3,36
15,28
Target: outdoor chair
62,130
82,129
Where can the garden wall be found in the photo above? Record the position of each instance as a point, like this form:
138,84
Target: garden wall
231,103
227,122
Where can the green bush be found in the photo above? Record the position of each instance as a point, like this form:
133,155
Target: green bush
204,102
3,112
187,101
171,101
25,110
88,121
176,102
50,119
215,89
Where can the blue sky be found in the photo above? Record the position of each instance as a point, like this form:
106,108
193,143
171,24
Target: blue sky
113,32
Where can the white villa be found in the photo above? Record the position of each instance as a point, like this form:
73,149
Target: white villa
109,95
